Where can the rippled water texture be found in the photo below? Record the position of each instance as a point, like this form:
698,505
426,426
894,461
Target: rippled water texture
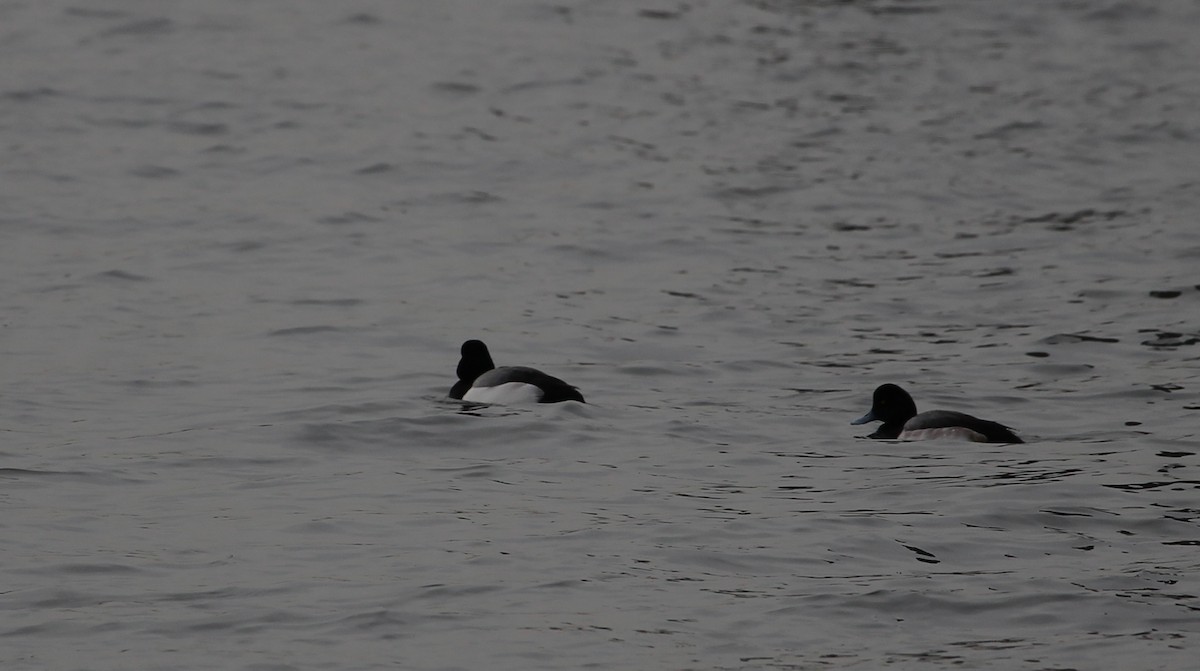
242,242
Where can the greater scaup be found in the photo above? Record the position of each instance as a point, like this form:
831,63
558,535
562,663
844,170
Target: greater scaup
479,381
896,409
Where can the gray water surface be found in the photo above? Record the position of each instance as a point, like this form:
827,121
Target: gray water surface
242,242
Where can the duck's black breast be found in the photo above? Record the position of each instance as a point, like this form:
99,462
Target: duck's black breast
887,431
461,387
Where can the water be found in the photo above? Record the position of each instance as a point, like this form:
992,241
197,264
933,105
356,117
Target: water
243,241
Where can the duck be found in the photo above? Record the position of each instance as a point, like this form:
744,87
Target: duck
480,381
895,408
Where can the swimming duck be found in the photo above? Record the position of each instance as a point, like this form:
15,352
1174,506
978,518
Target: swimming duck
896,409
479,381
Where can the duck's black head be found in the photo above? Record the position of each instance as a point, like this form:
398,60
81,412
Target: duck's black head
891,405
475,361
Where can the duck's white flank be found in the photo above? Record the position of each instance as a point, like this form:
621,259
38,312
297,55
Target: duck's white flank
509,393
953,432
